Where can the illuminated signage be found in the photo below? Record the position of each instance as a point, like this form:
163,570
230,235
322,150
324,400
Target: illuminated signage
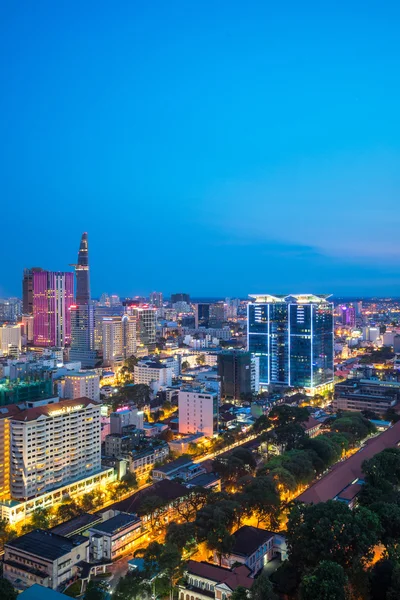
65,410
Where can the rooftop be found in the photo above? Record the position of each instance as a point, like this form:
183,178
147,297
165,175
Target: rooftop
248,539
179,463
50,410
76,524
345,473
165,489
46,544
39,592
117,523
239,576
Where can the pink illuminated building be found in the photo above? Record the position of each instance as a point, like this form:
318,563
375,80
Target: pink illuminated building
53,295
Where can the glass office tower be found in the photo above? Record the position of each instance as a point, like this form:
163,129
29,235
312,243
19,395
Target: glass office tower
293,337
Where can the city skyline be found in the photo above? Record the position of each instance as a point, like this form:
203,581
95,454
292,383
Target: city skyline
218,127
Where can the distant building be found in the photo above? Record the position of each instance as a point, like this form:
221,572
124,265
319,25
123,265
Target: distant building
198,410
10,310
126,418
146,320
150,371
293,337
201,315
53,295
119,338
80,384
43,557
238,372
10,340
27,290
156,299
27,328
181,468
180,298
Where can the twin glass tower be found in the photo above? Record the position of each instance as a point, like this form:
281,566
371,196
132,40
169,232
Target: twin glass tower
293,337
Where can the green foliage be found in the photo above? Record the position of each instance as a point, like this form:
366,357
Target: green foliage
40,518
261,424
262,497
327,582
235,465
262,588
240,594
96,590
286,579
131,587
180,535
331,531
7,591
354,424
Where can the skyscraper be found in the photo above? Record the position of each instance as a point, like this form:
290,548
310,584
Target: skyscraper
146,318
53,295
201,314
293,336
180,297
156,299
27,290
82,312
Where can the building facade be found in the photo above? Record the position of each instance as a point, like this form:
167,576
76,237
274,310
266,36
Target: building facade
27,290
10,340
80,384
293,337
198,411
119,338
150,371
52,445
53,295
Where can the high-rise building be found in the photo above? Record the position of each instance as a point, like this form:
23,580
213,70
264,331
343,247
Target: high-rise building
27,290
198,411
238,373
348,313
27,328
180,298
146,320
10,340
82,312
80,384
217,314
54,444
293,337
10,310
201,315
100,312
53,295
156,299
119,338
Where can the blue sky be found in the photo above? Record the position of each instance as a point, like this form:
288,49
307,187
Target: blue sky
215,147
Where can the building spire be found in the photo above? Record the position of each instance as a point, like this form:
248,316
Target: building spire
82,272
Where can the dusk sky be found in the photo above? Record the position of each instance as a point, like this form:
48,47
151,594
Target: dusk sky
214,147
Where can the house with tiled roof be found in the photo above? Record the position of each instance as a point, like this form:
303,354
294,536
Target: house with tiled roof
254,547
204,581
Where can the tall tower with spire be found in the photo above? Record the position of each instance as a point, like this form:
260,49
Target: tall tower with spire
82,272
82,312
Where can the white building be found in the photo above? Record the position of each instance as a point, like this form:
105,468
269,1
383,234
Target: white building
198,411
52,445
83,384
119,338
149,371
174,362
125,418
10,339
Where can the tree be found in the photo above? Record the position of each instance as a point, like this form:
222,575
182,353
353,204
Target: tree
6,532
261,424
96,590
290,435
7,591
88,502
241,593
150,507
201,359
220,540
185,365
130,363
180,535
331,531
67,511
389,517
380,579
262,497
127,484
170,564
286,579
131,587
327,582
40,518
262,588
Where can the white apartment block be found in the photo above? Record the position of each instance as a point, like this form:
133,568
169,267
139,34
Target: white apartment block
125,418
10,339
148,371
119,338
80,384
198,411
53,445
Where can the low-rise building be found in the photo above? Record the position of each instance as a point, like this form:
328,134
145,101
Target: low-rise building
182,468
45,558
254,547
365,394
311,427
142,461
151,371
204,581
114,537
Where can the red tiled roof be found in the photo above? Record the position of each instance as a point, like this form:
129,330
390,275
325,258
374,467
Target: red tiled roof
310,423
344,473
239,576
31,414
350,492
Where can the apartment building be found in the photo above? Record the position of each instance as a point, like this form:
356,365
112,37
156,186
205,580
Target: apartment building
150,371
80,384
198,410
